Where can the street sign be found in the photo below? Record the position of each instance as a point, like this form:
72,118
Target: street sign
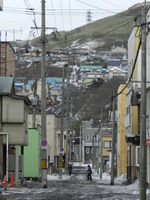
44,143
44,147
148,141
61,150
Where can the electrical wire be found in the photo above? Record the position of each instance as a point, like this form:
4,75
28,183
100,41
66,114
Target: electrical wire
94,6
137,53
113,4
65,11
123,25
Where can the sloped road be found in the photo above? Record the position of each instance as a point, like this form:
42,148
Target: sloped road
75,188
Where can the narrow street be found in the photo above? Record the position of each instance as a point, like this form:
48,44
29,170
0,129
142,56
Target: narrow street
72,188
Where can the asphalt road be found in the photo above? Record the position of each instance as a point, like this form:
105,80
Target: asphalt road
76,188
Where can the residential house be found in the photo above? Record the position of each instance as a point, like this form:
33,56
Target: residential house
113,63
106,143
14,121
7,59
116,71
88,132
53,127
121,132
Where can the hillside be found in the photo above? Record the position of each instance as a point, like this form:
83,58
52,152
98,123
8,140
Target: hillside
106,32
96,98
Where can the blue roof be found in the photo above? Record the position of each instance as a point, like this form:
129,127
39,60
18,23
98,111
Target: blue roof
125,68
19,84
30,82
54,80
94,67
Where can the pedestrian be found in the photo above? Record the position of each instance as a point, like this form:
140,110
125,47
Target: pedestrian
69,169
89,172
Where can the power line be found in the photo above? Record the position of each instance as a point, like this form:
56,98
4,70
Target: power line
66,11
94,6
132,70
123,25
113,4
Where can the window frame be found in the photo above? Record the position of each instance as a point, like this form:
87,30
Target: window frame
110,144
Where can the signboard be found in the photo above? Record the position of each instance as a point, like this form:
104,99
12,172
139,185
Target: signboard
61,150
44,147
44,143
60,164
148,141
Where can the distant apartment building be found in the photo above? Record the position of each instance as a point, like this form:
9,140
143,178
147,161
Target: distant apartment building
7,59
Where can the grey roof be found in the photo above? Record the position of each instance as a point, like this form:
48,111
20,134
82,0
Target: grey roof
114,62
6,84
21,98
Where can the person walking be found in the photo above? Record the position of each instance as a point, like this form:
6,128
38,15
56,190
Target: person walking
69,169
89,172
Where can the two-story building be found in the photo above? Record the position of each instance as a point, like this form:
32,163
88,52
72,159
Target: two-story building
13,126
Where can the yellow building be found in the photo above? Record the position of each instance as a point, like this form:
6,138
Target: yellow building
121,132
106,147
132,119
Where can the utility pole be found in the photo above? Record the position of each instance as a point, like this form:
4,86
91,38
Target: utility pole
62,127
98,151
43,103
71,132
67,124
101,149
93,151
80,145
34,102
113,142
143,154
101,146
1,144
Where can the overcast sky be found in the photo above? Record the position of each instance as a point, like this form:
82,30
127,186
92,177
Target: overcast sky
18,16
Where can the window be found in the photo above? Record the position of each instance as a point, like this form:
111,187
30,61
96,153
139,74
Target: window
87,137
107,144
87,150
137,161
91,150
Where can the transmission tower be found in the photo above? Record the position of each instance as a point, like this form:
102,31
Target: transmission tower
88,23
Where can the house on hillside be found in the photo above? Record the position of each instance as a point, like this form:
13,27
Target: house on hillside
113,63
116,71
90,74
118,49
